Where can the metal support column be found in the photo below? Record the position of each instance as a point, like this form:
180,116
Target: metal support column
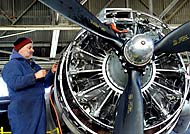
54,43
151,7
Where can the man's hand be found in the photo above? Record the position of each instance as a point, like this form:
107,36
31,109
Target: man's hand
40,74
54,68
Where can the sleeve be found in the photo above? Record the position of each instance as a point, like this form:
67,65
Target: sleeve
14,77
48,80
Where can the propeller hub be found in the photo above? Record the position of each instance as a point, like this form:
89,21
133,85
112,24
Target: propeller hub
139,50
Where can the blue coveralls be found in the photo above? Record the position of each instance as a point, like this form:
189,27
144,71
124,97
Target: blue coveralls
26,111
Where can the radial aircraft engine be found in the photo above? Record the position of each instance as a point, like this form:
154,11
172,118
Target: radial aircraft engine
124,71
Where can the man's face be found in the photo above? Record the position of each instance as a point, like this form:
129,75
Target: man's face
27,51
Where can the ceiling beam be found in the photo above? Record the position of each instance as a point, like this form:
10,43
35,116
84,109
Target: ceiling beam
38,27
20,16
82,2
168,8
108,3
5,14
175,11
148,6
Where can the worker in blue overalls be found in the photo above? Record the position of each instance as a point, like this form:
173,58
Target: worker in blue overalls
26,82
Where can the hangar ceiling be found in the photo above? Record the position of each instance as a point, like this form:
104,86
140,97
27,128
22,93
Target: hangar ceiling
52,32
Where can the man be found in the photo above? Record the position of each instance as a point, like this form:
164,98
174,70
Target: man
26,82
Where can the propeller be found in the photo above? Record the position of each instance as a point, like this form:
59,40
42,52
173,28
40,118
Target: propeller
75,12
129,119
176,41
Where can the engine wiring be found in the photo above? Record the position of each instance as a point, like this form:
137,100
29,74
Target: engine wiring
56,114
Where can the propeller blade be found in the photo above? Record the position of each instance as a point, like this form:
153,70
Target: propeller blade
130,115
75,12
176,41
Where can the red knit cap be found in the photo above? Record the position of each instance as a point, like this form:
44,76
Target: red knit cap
20,42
